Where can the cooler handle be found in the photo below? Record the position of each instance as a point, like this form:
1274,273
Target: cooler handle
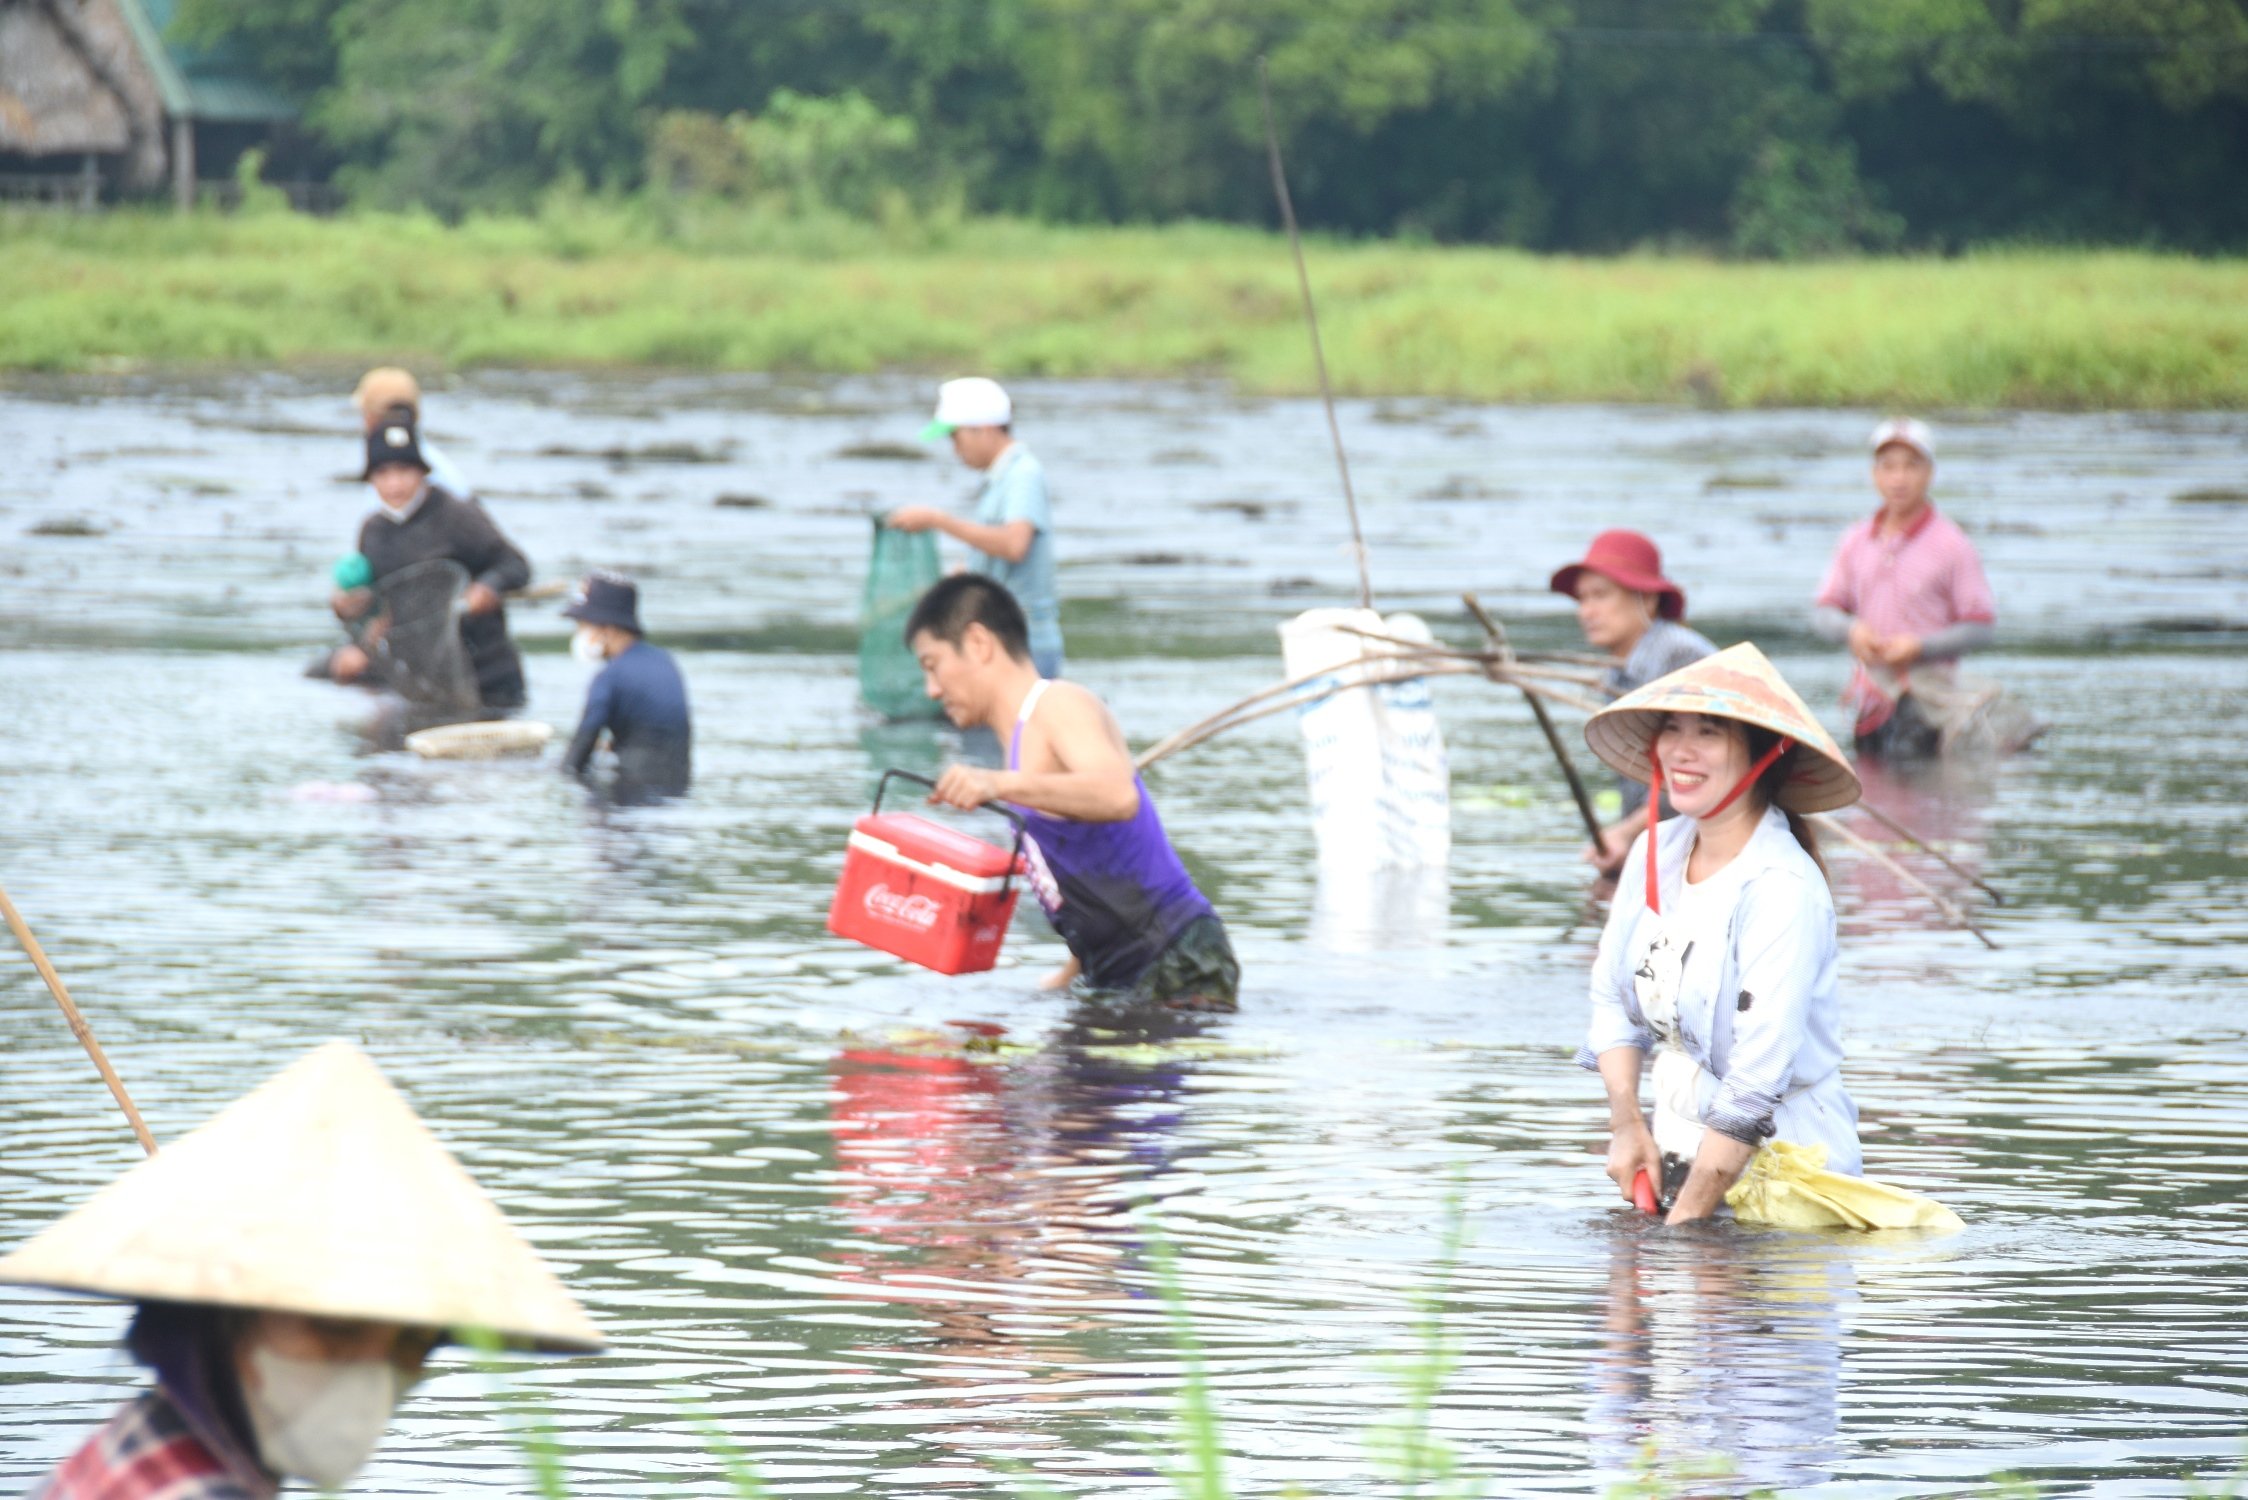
1022,829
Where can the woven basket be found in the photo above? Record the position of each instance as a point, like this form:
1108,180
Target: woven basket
488,740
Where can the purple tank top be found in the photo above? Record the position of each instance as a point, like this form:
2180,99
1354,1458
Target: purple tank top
1116,892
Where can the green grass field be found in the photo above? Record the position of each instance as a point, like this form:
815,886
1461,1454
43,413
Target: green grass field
593,283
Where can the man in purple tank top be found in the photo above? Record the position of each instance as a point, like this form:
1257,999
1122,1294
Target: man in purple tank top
1099,861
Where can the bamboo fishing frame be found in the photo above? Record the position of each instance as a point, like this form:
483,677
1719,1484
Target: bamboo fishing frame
78,1026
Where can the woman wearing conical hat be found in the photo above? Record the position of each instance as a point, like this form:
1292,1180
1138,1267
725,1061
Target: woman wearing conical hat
294,1262
1719,955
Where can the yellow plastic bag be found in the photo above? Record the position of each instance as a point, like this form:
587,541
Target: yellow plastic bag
1788,1186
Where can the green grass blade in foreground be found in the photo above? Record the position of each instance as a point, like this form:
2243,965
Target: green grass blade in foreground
1406,1444
1199,1474
741,1472
532,1424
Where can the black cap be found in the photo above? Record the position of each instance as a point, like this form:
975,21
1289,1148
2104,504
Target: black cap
392,442
606,599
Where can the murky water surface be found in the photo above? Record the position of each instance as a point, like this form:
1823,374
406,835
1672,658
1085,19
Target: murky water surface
889,1268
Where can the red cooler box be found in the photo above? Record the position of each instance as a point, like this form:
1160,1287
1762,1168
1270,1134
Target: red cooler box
924,891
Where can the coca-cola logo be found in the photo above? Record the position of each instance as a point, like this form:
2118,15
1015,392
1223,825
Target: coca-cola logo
907,911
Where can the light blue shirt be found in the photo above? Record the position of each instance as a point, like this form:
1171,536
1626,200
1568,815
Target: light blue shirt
1014,489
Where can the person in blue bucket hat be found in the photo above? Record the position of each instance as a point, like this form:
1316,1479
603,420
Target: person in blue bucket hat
638,698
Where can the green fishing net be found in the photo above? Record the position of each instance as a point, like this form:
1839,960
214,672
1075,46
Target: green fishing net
903,568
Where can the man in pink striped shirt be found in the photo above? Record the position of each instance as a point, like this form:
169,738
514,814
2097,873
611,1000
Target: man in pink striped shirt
1907,595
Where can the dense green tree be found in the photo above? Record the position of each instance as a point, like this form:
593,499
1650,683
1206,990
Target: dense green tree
1762,127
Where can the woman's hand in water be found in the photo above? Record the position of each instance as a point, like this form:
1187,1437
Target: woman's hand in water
1631,1150
1718,1164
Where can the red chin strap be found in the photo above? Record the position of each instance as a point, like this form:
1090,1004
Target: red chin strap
1655,798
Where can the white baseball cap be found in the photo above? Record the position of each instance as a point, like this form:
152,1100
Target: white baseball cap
1913,434
971,402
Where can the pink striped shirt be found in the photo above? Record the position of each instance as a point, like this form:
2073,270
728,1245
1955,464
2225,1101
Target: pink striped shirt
1914,583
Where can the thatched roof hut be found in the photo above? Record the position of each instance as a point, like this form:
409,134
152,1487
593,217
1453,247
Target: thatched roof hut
98,79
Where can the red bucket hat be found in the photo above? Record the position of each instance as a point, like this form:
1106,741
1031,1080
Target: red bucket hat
1632,560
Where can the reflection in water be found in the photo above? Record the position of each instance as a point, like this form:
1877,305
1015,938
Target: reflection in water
1943,801
1379,909
1720,1345
1010,1176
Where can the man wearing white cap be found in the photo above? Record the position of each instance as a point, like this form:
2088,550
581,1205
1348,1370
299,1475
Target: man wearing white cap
1013,532
1907,595
295,1260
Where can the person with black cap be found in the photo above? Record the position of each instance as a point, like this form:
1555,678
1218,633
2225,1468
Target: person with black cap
639,698
416,521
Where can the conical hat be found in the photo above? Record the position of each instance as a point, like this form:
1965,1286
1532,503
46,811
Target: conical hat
1736,683
320,1193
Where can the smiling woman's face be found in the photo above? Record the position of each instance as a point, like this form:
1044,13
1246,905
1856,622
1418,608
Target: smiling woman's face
1703,759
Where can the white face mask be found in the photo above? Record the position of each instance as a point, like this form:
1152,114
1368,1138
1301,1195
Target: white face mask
587,647
318,1419
399,513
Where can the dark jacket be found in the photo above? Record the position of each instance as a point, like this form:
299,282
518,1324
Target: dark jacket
446,527
641,700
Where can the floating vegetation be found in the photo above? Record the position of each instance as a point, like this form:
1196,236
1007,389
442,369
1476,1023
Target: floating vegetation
650,453
884,452
742,502
2212,495
69,526
1743,482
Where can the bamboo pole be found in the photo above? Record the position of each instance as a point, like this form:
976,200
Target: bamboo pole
1233,717
1874,851
1583,798
1512,666
1929,849
78,1026
1311,319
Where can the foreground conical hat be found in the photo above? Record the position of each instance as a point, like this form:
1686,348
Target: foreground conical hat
1736,683
320,1193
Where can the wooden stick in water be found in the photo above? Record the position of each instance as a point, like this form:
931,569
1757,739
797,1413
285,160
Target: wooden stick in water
1928,849
1828,822
78,1026
1497,633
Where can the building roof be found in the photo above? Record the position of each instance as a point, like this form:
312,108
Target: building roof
197,82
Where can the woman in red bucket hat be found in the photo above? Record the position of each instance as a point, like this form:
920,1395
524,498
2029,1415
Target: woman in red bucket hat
1627,608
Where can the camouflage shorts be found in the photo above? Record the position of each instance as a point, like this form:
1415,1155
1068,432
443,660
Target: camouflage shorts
1196,972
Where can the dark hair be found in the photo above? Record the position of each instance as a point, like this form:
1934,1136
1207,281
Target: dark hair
190,1346
966,599
1767,789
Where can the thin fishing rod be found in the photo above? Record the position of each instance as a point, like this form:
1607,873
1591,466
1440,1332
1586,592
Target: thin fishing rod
1311,319
78,1026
